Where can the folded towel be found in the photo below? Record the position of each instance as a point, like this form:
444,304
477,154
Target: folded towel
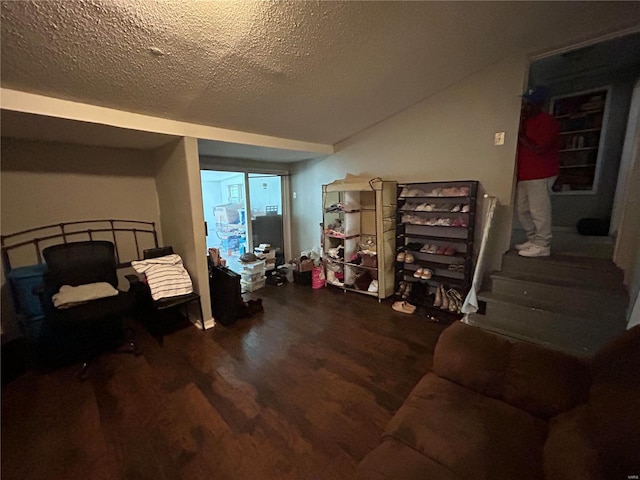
69,296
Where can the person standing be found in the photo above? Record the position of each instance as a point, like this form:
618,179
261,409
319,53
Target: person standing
538,168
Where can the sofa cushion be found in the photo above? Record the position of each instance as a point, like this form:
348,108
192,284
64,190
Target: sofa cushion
474,436
569,452
545,382
393,460
472,357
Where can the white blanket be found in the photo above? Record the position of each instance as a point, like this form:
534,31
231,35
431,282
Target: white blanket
166,276
69,296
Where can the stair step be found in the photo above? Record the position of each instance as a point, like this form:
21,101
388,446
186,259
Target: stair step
610,298
611,289
578,304
586,271
560,332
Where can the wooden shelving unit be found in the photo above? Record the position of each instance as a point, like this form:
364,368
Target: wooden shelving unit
582,118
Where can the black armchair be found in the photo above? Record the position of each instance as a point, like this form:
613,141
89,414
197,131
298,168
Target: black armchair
83,330
146,306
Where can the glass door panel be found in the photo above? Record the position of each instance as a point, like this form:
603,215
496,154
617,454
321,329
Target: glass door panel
265,199
224,202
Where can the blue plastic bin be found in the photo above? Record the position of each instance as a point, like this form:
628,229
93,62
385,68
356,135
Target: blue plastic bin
23,280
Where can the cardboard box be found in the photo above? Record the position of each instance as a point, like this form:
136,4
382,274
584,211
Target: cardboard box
305,265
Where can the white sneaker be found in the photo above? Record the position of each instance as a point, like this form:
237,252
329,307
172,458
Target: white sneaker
522,246
535,251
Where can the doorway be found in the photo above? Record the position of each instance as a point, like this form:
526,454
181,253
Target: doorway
601,76
244,212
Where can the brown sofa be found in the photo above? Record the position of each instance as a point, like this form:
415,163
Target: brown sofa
492,409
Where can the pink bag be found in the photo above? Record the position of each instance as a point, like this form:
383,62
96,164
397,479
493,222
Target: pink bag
317,277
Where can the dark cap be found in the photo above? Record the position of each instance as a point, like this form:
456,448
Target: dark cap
536,94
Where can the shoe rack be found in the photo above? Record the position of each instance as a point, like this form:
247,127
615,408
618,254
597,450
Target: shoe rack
434,245
358,236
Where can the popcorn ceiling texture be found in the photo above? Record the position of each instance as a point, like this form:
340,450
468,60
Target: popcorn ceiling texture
313,71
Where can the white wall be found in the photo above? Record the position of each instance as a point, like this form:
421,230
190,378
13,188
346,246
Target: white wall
45,183
180,199
446,137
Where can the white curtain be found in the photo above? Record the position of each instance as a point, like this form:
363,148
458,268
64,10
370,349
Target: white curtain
487,206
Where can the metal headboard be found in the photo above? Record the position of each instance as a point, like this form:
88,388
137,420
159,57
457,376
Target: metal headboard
70,231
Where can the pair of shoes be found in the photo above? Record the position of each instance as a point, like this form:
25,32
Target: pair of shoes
429,249
404,307
408,258
400,257
411,192
535,251
439,294
425,207
407,290
458,222
456,267
455,300
523,245
423,273
402,286
254,306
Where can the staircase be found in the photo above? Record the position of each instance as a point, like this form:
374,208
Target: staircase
569,303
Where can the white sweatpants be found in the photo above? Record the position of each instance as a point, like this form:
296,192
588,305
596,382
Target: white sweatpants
534,209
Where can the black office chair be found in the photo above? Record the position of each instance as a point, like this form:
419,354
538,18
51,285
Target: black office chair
147,307
84,330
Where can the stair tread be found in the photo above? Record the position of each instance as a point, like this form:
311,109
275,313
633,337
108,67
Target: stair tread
612,288
552,308
581,348
588,263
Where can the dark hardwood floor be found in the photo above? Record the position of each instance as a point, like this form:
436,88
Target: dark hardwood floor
301,391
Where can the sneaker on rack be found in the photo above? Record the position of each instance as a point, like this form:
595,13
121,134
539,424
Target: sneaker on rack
522,246
535,251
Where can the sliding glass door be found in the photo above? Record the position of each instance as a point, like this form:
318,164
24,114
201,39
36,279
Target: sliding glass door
243,210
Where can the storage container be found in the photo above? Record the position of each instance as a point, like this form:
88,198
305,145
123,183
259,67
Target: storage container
253,267
253,286
23,280
249,277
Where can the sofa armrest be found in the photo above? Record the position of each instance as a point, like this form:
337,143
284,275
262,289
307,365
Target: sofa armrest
542,381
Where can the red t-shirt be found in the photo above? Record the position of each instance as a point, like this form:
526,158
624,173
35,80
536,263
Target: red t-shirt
543,130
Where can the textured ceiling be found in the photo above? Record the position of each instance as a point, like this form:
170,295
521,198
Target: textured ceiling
312,71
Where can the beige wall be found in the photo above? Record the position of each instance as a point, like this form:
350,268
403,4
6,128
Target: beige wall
180,199
446,137
44,183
